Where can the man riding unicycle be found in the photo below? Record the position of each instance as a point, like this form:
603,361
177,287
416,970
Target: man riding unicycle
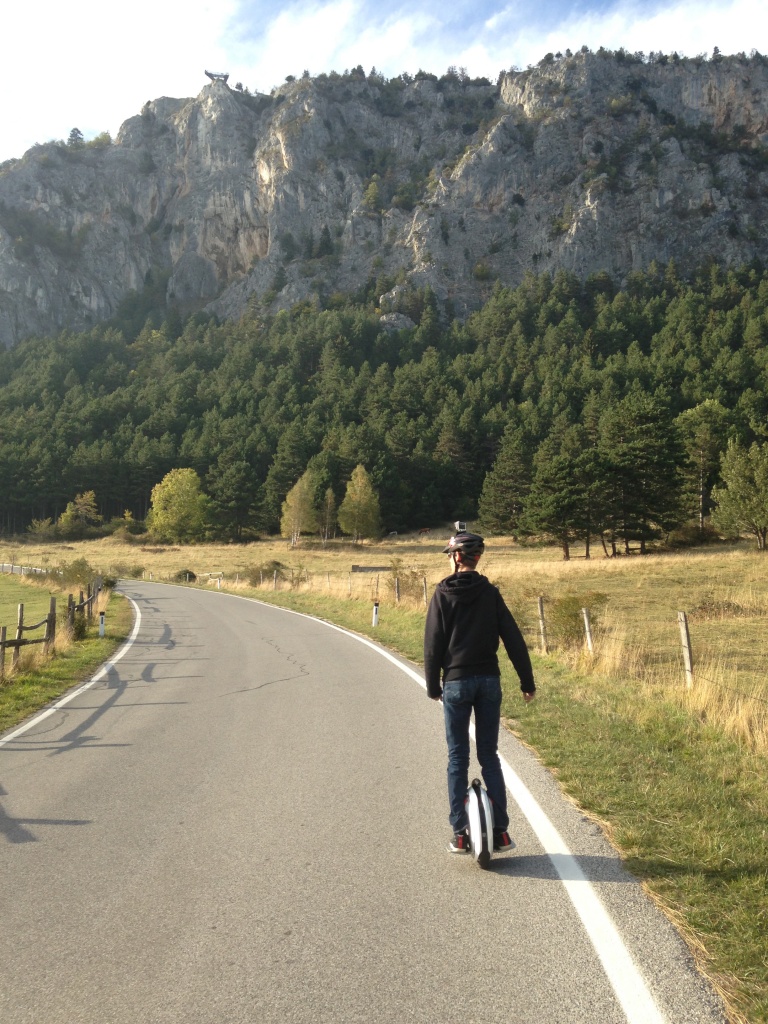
466,618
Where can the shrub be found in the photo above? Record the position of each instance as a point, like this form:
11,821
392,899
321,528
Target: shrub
255,574
565,622
127,570
692,535
79,627
411,580
42,528
78,573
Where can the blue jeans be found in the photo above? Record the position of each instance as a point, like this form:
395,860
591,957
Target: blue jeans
460,697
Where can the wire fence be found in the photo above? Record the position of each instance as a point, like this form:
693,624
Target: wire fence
568,627
714,669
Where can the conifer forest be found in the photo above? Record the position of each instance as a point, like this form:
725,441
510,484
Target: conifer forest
592,412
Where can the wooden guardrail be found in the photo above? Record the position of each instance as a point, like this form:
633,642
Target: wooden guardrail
21,641
84,606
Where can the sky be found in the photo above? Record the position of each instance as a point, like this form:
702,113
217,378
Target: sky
91,65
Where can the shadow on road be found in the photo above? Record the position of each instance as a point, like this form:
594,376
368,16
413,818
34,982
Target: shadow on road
14,830
560,867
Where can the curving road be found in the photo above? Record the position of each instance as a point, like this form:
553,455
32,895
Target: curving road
244,820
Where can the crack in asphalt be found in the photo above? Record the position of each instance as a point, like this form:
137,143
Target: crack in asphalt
302,673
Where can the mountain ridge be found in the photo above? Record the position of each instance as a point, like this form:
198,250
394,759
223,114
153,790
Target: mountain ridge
589,162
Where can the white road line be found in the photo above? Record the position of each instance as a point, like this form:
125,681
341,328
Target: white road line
91,682
625,978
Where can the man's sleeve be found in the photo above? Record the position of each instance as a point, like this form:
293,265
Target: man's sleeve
515,646
434,640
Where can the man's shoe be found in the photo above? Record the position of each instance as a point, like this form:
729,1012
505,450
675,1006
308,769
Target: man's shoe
502,842
460,843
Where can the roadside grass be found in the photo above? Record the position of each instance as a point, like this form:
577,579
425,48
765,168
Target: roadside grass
14,592
38,681
686,806
676,776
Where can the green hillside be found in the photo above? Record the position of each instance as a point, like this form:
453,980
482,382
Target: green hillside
564,407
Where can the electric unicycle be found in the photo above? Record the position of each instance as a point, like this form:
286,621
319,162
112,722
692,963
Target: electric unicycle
480,813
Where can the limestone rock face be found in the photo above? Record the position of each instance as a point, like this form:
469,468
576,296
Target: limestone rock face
592,162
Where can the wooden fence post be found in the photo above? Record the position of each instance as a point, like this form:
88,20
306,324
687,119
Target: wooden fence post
542,627
685,637
50,627
588,630
19,634
89,605
425,591
274,581
2,651
397,590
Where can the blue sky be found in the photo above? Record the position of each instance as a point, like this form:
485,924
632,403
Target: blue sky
91,65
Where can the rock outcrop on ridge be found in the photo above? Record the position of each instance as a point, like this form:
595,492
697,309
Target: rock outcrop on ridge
589,162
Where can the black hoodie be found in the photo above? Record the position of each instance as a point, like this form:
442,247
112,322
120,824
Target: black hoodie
466,618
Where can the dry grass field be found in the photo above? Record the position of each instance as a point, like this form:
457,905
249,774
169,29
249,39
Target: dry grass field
633,602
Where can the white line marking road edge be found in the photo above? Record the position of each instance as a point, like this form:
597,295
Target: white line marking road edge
86,686
625,978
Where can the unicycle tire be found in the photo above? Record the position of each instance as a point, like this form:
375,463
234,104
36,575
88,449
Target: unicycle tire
480,814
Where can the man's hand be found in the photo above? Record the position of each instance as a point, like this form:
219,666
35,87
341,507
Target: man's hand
528,697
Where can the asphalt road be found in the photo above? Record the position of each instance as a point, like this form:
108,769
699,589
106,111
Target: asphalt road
245,820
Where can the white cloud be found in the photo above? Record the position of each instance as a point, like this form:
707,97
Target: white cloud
689,27
333,36
92,65
344,33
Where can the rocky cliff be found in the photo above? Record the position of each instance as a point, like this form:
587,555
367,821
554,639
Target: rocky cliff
590,162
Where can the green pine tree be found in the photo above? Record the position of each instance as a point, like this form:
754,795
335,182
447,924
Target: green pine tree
641,462
742,503
557,499
506,485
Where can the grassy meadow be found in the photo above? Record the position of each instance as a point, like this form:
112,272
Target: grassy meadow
37,680
677,777
35,601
